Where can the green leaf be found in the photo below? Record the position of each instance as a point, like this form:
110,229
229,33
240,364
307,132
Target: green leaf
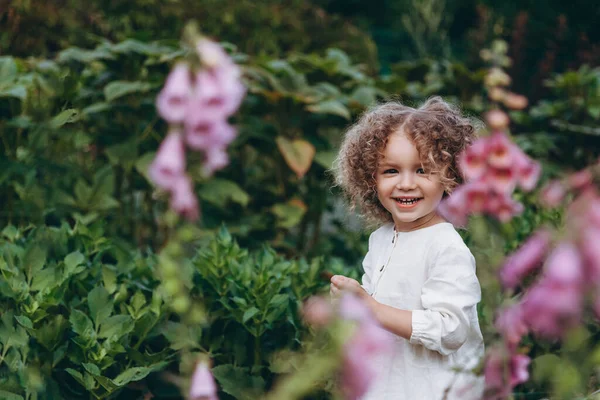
278,300
289,214
100,305
80,323
92,369
325,158
75,374
72,261
45,280
96,108
10,232
18,91
116,326
333,107
9,395
117,89
65,117
109,278
34,260
143,163
251,312
24,321
219,191
239,382
8,70
132,375
298,154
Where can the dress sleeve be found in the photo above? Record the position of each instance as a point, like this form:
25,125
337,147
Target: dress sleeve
448,297
367,264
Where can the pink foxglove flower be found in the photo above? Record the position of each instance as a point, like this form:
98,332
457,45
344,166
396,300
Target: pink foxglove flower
203,385
511,325
183,198
555,303
368,342
503,180
553,194
205,135
217,95
501,150
564,266
472,161
169,163
528,173
525,260
503,372
497,119
454,208
173,101
216,159
504,208
590,251
212,54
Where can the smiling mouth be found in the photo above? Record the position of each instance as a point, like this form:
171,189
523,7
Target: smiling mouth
407,201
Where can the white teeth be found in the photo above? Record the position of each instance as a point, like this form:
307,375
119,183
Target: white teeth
407,201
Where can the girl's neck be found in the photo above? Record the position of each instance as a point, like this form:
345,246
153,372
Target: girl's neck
423,222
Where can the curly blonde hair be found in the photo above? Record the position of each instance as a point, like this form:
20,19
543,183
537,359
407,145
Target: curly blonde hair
437,129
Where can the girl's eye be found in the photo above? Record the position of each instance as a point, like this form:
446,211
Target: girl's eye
420,171
390,171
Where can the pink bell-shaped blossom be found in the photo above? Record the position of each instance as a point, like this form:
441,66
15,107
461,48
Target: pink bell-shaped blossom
212,55
564,266
553,193
361,352
454,207
203,385
183,198
173,100
551,310
216,159
500,150
472,161
169,163
590,251
525,260
206,134
217,95
503,371
529,172
504,208
502,180
476,196
511,325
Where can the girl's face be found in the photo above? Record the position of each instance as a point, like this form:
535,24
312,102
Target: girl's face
404,188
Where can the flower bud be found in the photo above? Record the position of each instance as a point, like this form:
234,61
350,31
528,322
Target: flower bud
497,119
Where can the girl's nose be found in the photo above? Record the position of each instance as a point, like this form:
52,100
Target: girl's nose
406,181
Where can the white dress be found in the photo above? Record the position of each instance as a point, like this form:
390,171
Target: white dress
431,272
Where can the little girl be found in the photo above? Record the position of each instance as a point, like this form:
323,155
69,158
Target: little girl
396,164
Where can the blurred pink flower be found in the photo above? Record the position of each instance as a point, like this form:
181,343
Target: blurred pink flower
564,266
204,135
368,341
317,311
454,207
504,208
503,371
183,198
590,251
553,193
529,172
502,180
500,150
172,102
216,159
511,325
212,55
217,95
472,161
476,196
169,163
202,386
525,260
551,310
580,180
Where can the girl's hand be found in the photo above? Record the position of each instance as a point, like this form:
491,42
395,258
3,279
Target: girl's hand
341,284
